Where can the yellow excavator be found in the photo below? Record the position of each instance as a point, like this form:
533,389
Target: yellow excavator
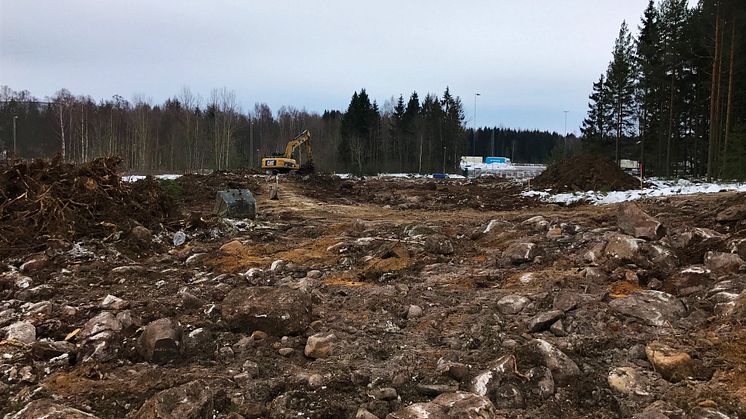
285,162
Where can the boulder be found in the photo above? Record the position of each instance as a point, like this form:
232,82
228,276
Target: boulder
459,404
634,221
112,302
438,244
628,380
48,409
23,332
695,235
46,349
100,338
723,263
278,311
486,381
319,345
414,312
731,214
540,352
161,341
193,400
542,321
141,235
653,308
522,252
622,247
687,281
512,304
672,364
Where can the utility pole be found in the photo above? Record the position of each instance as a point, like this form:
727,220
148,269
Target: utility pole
15,147
564,146
444,159
474,141
251,143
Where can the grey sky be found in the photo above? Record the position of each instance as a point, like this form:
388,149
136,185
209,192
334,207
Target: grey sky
530,60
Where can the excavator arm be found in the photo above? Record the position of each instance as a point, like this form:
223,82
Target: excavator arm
303,138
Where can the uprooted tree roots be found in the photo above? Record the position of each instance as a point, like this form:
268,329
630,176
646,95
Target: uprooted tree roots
50,199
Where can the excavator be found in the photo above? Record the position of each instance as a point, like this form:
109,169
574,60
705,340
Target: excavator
285,162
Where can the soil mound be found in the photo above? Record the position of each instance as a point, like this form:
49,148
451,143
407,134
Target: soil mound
585,173
199,190
43,199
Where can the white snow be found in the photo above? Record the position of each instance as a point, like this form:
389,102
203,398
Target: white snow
135,178
660,188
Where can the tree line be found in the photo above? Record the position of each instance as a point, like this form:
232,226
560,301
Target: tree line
186,133
674,97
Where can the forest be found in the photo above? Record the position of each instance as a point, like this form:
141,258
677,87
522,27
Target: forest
187,133
674,96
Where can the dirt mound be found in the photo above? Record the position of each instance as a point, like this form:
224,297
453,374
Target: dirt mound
585,173
43,199
199,190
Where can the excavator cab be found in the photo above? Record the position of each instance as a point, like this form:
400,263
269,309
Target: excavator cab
285,162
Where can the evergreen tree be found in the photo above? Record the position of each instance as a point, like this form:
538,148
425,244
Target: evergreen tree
650,75
620,88
596,124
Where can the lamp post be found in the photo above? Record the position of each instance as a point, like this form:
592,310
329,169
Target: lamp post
474,142
15,148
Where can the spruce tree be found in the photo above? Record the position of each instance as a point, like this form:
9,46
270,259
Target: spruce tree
620,88
596,124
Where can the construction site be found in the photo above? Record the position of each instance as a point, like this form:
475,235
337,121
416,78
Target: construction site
387,297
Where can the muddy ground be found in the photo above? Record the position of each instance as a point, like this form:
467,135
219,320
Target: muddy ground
385,298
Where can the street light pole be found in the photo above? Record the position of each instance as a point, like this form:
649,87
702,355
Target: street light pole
474,145
15,148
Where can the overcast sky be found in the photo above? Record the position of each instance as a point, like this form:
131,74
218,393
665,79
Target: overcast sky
529,59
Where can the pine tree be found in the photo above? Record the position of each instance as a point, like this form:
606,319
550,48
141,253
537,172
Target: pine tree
620,88
596,124
650,76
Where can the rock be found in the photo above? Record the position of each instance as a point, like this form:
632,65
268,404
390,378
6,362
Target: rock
435,389
512,304
634,221
277,265
49,410
508,396
111,302
541,382
286,351
190,301
538,351
657,256
534,220
278,311
364,414
259,335
696,235
45,349
100,338
672,364
731,214
23,331
522,252
542,321
386,393
234,247
319,345
193,400
141,235
179,238
660,410
129,270
161,341
628,380
455,370
438,244
196,259
723,263
35,264
415,230
653,308
706,413
687,281
315,380
568,300
314,274
622,247
558,329
486,381
414,312
449,405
